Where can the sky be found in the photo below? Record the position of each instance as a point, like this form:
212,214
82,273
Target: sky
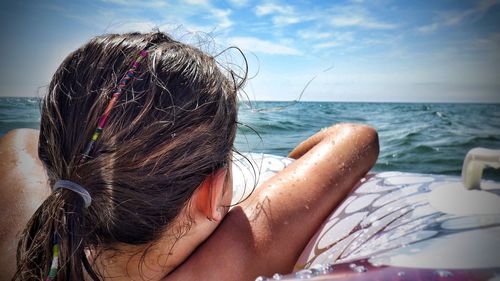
353,50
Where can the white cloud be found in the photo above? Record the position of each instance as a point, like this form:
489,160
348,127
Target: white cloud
208,17
428,28
284,20
382,40
336,16
281,15
261,46
491,41
325,45
267,9
454,18
355,16
117,20
222,16
314,35
339,38
359,21
132,26
197,2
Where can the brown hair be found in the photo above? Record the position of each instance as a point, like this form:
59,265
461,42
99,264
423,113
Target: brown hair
173,126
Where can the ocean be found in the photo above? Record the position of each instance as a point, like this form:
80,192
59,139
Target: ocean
414,137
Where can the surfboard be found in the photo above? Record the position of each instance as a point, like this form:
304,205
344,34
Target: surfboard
394,226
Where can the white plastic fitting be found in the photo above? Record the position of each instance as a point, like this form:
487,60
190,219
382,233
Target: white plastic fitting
475,161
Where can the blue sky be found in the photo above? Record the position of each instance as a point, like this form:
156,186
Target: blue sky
380,50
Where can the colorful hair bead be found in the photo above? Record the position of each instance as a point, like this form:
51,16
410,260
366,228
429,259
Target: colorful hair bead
55,261
104,117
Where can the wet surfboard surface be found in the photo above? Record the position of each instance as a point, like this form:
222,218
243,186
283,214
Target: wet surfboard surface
395,226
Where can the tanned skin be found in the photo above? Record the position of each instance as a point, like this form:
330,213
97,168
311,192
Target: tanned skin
263,235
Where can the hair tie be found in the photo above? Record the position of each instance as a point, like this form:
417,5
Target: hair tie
75,188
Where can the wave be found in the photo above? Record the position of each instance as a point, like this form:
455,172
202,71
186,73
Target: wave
422,138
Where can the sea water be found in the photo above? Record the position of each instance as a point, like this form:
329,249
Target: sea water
414,137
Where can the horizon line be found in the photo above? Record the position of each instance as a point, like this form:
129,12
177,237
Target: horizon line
332,101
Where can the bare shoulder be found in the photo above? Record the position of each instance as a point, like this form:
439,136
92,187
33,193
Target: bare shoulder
19,139
229,254
21,169
19,157
22,189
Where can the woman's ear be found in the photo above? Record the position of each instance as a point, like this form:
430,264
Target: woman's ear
209,195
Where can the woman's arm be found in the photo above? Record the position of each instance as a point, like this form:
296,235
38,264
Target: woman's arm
268,231
313,140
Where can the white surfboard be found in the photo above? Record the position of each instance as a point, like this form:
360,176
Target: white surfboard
395,226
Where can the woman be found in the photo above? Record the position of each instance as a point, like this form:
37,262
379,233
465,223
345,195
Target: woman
146,195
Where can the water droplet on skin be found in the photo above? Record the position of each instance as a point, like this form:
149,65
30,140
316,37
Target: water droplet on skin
359,269
352,265
328,267
444,273
322,269
304,273
261,278
277,276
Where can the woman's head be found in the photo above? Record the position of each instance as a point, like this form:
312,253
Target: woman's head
173,126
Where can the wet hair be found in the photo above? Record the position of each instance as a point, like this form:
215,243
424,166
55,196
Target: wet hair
174,125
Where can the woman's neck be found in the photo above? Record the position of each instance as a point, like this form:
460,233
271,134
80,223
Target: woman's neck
153,262
195,223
